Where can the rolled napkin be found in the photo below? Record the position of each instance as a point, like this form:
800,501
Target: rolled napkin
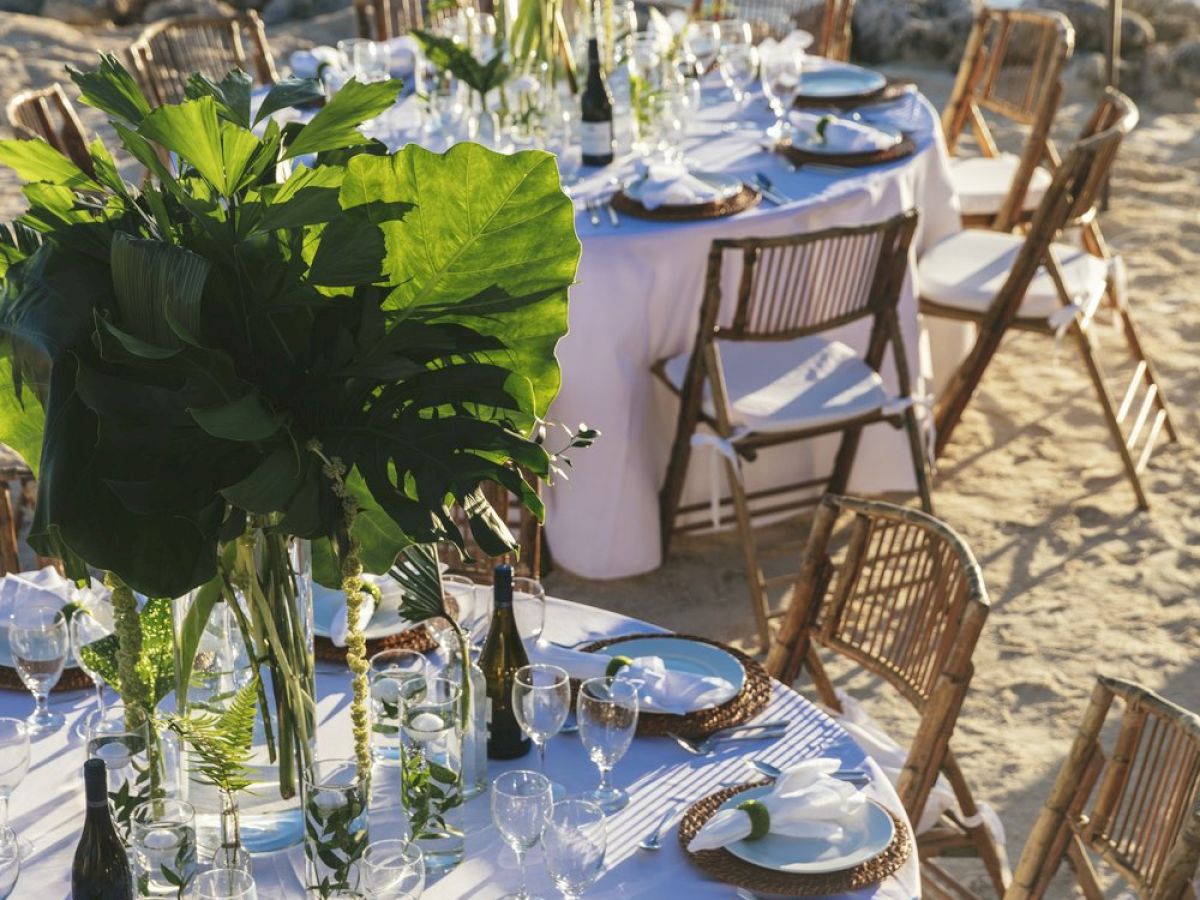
308,63
841,135
670,184
806,801
340,625
660,691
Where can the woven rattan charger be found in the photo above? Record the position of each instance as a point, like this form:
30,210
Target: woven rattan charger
723,865
744,199
797,156
892,91
749,702
73,679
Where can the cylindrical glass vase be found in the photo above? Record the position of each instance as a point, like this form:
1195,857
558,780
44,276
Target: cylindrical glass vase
267,616
335,827
431,773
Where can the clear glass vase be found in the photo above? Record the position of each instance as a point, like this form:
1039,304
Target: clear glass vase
431,773
142,765
335,827
266,615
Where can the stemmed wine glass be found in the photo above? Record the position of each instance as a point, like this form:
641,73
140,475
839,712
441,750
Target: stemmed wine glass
574,843
529,607
541,700
741,71
780,78
11,854
731,34
394,869
521,804
38,636
85,629
14,765
607,711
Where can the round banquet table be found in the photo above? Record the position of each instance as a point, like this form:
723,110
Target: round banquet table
48,807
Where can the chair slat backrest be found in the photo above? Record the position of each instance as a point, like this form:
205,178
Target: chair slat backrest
1144,818
520,521
169,52
381,20
828,20
802,284
48,114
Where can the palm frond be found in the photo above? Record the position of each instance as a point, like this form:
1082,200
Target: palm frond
420,579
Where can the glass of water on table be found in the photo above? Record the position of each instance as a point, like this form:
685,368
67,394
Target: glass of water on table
37,634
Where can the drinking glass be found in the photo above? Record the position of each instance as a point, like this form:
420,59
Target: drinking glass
125,751
393,869
335,824
703,39
38,636
431,773
366,60
223,884
741,71
541,700
529,607
574,843
10,863
474,602
14,764
607,712
521,802
780,76
164,847
395,676
85,629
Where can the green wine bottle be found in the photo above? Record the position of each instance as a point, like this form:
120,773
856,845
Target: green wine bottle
503,653
101,867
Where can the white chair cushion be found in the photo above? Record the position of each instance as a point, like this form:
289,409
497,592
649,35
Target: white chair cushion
967,270
982,183
786,385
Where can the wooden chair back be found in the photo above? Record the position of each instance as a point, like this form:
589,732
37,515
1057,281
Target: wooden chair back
168,52
1144,819
48,114
381,20
829,21
521,522
906,601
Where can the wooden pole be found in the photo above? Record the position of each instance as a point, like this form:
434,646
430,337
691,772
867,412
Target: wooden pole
1112,64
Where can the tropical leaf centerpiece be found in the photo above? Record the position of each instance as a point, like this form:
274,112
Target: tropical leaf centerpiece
231,356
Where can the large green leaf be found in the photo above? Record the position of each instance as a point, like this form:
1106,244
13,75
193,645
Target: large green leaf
336,125
22,420
289,92
36,161
154,283
218,149
112,90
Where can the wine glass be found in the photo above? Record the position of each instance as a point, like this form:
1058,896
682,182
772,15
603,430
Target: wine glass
521,803
529,607
38,636
574,843
741,71
395,676
703,38
85,629
10,863
14,764
393,869
780,77
607,712
541,700
223,884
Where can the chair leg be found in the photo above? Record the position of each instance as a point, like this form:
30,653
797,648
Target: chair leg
993,857
843,463
1110,414
755,581
920,464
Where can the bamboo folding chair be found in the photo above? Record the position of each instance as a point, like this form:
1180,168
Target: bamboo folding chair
828,20
906,602
1011,67
1004,281
169,52
49,115
521,522
768,374
381,20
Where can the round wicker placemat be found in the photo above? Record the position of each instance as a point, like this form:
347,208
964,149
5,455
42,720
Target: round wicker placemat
892,91
906,147
72,679
723,865
749,702
739,202
417,639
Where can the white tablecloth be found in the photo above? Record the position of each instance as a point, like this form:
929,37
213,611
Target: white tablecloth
637,302
48,807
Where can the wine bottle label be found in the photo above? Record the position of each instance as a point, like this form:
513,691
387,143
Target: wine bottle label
596,138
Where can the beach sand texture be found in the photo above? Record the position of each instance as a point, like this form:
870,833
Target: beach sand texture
1080,582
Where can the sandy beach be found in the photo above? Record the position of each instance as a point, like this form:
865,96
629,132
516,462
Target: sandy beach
1080,582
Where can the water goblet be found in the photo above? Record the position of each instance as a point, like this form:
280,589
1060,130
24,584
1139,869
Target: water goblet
521,802
40,642
607,712
529,607
393,869
164,847
703,40
10,863
86,629
395,676
541,701
224,884
574,843
741,70
14,765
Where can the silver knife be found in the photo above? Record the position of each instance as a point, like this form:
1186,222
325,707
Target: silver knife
612,214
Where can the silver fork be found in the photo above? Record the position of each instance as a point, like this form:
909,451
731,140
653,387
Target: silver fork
709,744
769,189
593,212
653,841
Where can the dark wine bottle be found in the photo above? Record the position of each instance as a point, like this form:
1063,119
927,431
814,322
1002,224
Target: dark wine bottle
596,125
503,653
101,867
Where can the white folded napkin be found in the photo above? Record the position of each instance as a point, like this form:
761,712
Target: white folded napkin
46,585
842,135
903,112
806,801
670,184
340,625
403,53
307,63
660,690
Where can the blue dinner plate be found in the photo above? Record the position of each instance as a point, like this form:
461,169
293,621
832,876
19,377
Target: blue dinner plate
683,655
839,80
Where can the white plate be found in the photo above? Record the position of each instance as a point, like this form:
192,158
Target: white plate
813,856
682,655
726,186
842,80
385,622
810,143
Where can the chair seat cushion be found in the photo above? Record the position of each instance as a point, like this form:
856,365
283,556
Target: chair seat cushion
982,183
780,386
967,270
